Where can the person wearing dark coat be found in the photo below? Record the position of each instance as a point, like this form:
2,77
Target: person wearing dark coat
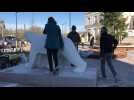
54,43
92,42
74,36
108,43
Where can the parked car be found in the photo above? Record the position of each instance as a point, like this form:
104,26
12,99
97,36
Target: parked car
3,43
11,41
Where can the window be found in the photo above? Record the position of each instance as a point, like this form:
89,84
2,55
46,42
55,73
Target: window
89,20
95,30
132,23
132,26
95,19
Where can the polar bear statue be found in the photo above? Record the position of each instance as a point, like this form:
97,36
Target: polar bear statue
68,54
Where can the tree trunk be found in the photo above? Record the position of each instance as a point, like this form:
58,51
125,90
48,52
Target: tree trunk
120,39
113,29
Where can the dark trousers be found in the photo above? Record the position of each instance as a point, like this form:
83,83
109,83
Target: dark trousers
76,45
52,57
107,57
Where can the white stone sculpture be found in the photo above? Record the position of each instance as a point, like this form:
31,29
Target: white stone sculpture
68,55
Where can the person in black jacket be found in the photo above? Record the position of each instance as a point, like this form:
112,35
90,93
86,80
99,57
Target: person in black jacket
74,36
92,42
107,46
54,42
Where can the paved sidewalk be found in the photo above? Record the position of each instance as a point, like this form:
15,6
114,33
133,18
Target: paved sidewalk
125,69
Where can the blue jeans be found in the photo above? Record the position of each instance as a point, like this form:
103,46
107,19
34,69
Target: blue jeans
107,57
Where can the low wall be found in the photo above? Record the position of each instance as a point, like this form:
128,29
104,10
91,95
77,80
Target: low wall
126,48
120,51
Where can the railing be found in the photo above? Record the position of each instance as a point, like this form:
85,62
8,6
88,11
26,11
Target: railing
119,46
10,50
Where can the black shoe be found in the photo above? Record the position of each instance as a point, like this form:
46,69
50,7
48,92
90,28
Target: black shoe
51,73
72,65
56,71
102,78
116,79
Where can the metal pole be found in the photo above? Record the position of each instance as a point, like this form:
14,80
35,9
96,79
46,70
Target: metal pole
32,19
16,24
2,28
70,21
24,27
62,28
16,28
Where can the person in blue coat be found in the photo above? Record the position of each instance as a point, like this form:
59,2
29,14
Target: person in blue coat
54,43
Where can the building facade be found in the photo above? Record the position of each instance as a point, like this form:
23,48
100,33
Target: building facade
130,21
93,25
